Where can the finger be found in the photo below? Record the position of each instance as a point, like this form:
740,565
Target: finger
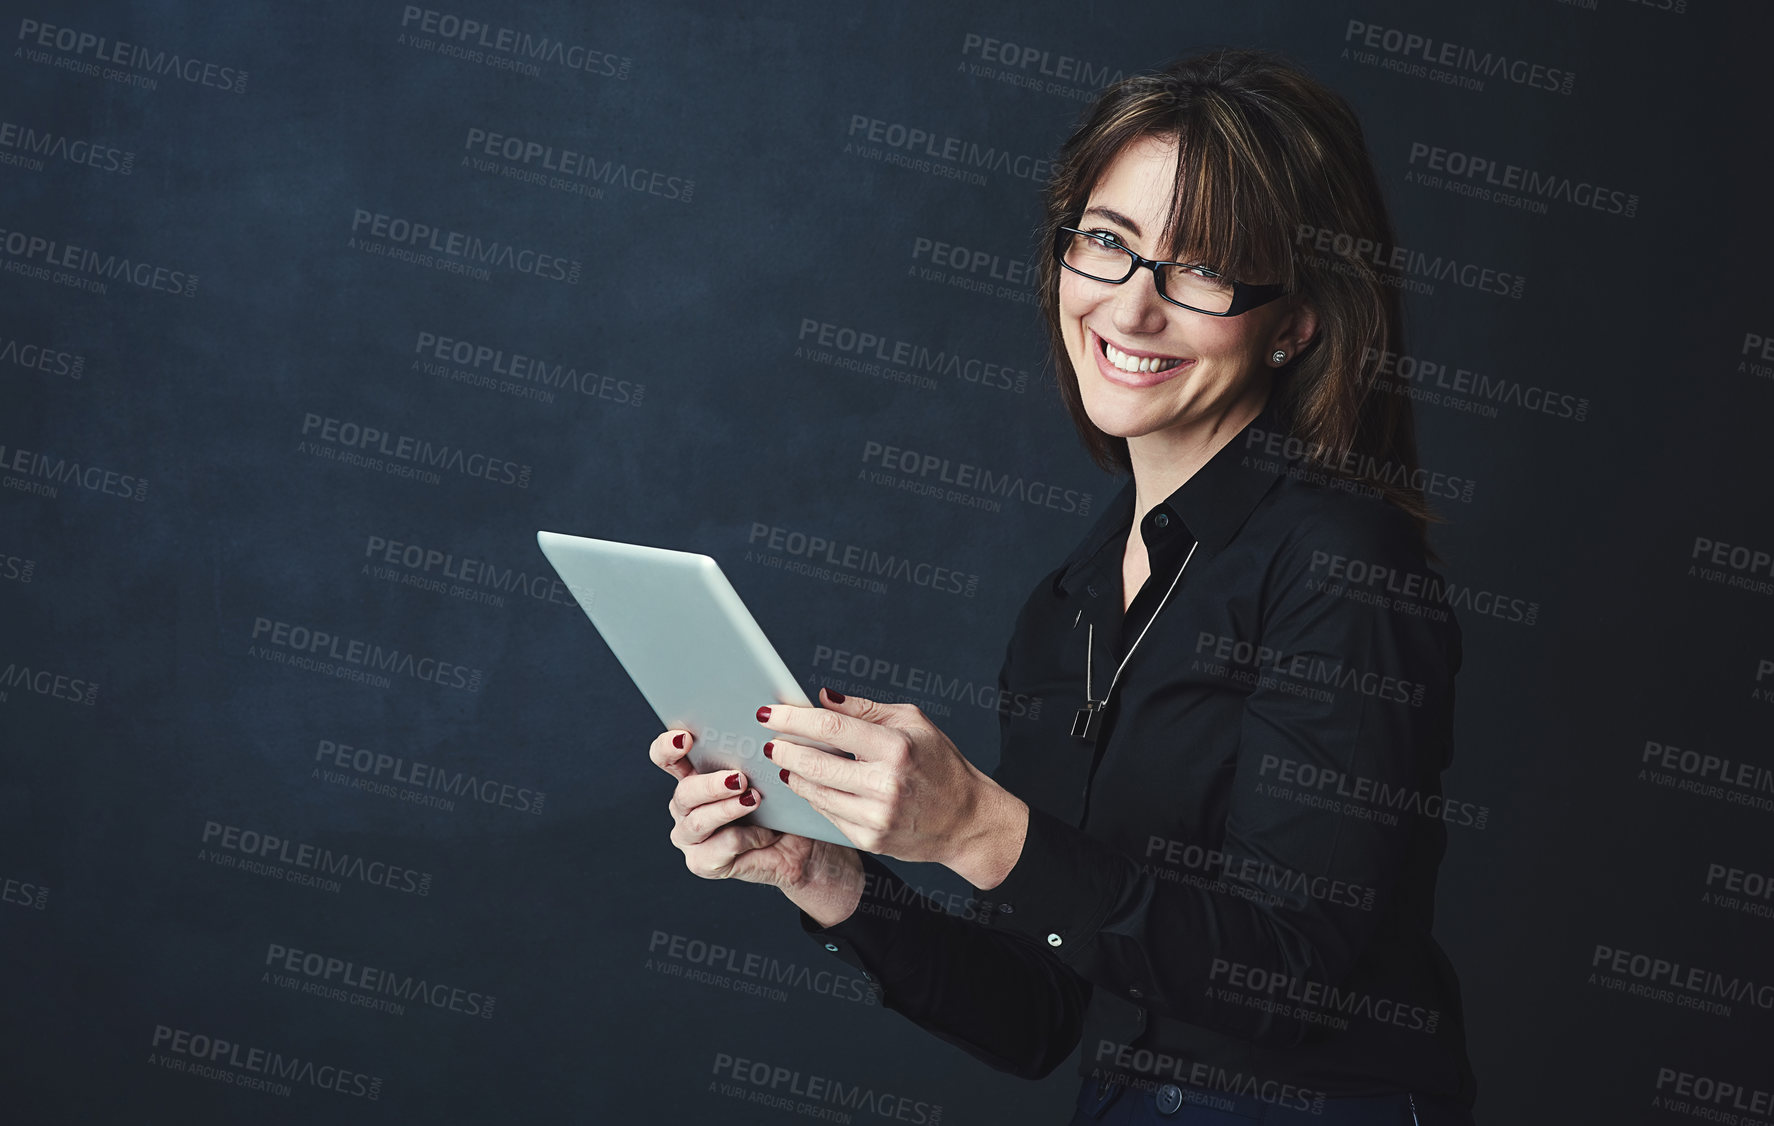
670,752
717,857
858,818
869,711
820,766
706,819
701,789
859,737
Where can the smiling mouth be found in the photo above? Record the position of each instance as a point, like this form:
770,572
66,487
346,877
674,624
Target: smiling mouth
1138,365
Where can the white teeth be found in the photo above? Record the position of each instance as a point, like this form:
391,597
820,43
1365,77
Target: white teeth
1128,363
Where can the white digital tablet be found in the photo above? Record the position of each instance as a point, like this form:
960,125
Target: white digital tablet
697,655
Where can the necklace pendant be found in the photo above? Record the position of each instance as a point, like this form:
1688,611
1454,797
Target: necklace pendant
1084,720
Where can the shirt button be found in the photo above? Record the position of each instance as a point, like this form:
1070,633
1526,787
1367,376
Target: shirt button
832,946
1053,940
1135,994
1161,521
1091,590
1170,1099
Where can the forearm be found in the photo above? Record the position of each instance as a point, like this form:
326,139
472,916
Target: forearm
992,839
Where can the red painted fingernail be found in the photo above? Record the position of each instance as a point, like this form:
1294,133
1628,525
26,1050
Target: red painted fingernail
733,781
678,740
764,714
837,697
750,797
785,774
768,752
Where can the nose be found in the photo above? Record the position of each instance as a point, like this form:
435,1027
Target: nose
1136,308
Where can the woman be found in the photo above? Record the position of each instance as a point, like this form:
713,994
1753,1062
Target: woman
1210,862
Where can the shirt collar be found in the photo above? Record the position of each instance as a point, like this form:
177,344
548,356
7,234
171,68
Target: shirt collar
1211,505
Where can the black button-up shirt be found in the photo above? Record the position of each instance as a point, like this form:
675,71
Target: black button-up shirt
1229,881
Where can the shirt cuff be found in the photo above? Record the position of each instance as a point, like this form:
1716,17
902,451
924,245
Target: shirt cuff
1063,886
882,938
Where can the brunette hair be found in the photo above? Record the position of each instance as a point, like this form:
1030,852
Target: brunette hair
1272,167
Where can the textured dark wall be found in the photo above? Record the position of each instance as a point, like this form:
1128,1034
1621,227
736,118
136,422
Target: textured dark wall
224,337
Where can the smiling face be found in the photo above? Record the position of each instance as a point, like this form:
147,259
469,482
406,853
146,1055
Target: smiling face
1148,369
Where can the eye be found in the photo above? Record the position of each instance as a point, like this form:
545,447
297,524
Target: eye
1107,238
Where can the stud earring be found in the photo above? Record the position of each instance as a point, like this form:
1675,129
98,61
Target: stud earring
1278,356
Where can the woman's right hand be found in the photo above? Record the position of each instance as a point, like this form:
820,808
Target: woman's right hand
823,879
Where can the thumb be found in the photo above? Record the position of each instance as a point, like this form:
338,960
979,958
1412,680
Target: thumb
872,711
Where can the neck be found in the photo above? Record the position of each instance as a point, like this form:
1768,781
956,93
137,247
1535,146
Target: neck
1165,459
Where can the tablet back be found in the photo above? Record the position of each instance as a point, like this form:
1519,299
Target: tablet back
689,644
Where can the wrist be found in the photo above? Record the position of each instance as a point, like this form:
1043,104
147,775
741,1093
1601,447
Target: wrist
829,886
992,838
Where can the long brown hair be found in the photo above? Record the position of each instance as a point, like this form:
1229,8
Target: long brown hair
1269,159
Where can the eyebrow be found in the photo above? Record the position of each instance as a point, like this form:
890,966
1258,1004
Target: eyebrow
1117,217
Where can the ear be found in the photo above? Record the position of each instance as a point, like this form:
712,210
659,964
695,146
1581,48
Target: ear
1297,327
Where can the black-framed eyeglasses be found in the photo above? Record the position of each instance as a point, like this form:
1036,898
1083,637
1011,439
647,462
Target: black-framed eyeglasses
1099,255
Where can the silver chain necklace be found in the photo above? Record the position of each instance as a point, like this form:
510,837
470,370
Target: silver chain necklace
1084,722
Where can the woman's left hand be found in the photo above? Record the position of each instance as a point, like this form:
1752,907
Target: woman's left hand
910,793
